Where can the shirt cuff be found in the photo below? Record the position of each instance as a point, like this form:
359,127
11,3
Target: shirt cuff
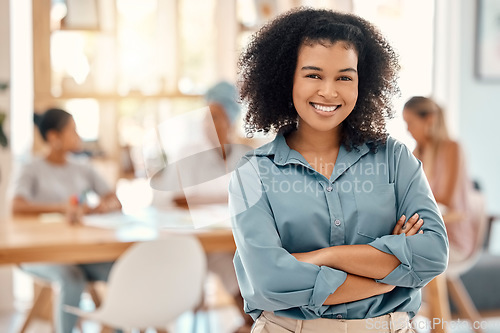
327,281
403,275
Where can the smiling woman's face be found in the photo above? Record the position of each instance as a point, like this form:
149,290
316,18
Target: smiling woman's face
325,86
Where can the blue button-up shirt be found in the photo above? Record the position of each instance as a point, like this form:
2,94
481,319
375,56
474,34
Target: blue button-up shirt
281,205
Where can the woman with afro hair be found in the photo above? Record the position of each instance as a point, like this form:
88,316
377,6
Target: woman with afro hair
328,218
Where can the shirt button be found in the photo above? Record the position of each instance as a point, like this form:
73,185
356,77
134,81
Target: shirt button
329,189
339,316
337,222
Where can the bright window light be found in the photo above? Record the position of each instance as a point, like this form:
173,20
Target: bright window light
86,115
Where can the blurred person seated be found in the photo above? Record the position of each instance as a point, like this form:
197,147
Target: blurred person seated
445,167
199,178
45,185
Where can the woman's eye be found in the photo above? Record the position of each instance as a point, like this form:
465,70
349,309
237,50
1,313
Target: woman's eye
313,76
345,78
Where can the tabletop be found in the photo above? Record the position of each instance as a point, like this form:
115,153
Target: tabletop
31,239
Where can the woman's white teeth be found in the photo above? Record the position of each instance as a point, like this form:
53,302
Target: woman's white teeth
325,108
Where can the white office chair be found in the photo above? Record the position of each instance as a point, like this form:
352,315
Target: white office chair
151,284
456,288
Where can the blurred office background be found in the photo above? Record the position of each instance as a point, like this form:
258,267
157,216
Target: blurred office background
122,67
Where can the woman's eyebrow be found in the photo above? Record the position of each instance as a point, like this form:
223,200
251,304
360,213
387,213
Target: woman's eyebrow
350,69
314,68
311,68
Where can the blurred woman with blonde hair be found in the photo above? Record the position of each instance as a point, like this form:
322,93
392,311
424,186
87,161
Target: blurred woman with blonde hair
445,167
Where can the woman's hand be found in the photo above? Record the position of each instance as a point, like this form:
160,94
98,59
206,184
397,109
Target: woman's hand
108,204
411,227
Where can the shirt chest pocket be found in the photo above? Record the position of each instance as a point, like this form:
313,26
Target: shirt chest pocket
376,210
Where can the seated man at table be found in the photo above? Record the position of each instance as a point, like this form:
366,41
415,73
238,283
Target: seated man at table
203,178
46,185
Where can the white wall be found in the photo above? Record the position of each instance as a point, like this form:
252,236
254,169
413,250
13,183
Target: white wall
5,156
21,91
6,296
478,112
473,106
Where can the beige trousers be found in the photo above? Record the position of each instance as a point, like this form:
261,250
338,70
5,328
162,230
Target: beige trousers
397,322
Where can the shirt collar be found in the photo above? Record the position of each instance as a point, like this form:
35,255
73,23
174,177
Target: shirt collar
279,150
283,155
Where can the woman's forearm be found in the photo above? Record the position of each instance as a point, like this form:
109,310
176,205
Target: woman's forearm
362,260
22,206
356,288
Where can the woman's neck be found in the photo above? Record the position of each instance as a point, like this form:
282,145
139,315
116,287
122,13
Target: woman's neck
307,139
320,149
56,157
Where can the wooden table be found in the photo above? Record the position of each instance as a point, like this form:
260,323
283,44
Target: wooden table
25,239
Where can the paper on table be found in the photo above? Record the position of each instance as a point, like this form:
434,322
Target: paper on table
197,217
149,217
52,218
109,220
210,216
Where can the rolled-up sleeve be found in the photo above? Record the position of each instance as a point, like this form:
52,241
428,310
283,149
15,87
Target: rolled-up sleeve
422,256
270,278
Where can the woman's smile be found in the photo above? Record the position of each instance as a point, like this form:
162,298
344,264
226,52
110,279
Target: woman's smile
325,110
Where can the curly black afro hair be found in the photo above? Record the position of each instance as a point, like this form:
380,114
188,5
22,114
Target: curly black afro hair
268,64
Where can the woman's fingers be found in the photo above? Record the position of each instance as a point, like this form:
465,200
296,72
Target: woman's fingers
416,227
410,228
399,225
413,225
410,223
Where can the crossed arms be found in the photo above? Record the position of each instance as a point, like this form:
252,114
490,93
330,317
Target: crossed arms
362,263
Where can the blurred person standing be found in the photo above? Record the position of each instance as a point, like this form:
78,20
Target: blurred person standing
444,164
46,185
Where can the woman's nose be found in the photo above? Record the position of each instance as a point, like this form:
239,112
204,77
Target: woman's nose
328,90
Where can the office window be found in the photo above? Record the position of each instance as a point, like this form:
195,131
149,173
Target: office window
197,43
86,115
409,27
131,63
